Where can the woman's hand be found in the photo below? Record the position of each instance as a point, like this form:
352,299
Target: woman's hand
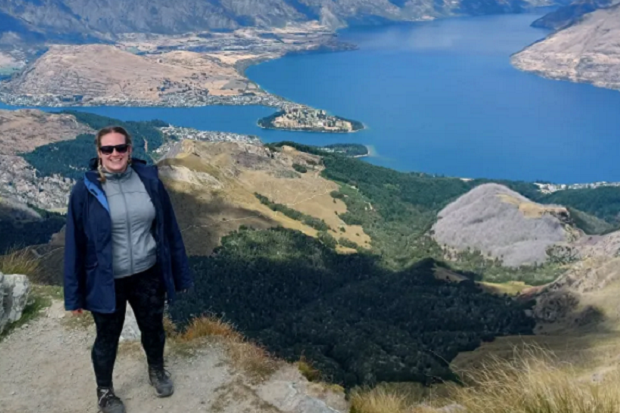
79,311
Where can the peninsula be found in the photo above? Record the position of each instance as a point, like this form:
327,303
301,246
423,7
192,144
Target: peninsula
586,51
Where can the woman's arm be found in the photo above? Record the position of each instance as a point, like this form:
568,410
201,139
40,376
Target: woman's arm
180,267
75,251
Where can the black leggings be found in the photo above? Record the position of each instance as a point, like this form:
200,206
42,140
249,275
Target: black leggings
146,294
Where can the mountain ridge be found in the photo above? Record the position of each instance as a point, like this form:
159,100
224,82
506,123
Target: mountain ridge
106,19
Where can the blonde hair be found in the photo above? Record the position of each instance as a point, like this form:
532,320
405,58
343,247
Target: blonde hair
106,131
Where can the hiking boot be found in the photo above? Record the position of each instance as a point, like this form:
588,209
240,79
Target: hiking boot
108,402
160,380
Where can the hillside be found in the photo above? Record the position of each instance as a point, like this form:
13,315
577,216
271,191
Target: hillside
503,225
306,283
586,51
150,69
314,254
569,14
24,131
83,74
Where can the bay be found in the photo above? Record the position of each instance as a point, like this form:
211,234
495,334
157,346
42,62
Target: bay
438,97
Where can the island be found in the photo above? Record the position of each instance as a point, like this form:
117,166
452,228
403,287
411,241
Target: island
303,118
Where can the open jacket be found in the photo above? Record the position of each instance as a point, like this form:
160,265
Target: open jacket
88,273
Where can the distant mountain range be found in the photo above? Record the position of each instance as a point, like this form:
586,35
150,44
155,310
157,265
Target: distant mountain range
89,20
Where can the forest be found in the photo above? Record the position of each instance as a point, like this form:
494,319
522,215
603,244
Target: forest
355,321
405,206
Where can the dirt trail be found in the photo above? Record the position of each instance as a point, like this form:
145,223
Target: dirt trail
45,367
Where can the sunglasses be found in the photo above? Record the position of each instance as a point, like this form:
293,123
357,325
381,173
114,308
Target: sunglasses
107,150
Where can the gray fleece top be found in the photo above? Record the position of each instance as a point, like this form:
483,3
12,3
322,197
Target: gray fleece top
132,212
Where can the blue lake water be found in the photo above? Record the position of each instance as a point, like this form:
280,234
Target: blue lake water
438,97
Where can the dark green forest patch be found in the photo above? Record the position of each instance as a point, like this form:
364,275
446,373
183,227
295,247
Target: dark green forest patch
355,321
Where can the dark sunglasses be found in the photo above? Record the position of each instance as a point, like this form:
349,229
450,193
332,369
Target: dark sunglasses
107,150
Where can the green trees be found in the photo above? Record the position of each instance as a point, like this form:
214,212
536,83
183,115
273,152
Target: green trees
355,321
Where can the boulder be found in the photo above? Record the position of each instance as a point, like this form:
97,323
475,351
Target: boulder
289,392
14,291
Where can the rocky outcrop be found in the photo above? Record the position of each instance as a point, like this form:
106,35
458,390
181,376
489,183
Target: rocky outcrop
289,392
14,290
503,224
587,51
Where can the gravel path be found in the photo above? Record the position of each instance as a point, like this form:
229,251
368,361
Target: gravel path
45,367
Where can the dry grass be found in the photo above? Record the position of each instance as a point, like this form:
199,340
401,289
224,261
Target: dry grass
384,400
510,288
19,262
307,370
536,381
533,382
252,359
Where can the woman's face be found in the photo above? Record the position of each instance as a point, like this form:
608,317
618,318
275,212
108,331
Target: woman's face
114,152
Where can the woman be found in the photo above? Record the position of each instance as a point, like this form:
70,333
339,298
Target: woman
123,244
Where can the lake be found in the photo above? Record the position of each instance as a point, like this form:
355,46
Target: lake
438,97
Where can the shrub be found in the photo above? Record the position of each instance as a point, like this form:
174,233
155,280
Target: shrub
300,168
327,239
345,242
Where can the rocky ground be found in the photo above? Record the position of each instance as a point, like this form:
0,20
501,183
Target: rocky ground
587,51
45,367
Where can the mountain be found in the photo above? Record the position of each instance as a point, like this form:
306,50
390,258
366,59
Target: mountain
587,51
569,14
82,20
344,265
504,225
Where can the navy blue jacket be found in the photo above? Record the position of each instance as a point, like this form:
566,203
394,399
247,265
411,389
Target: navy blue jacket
88,274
